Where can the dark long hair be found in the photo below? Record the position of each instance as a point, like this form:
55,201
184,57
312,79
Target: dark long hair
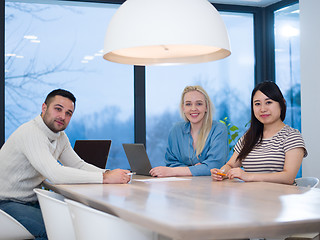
254,134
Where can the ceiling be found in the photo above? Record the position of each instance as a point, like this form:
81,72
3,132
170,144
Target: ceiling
253,3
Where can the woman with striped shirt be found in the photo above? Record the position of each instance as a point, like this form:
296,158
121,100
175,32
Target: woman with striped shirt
270,151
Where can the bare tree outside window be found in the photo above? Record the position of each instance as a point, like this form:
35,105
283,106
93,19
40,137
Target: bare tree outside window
51,46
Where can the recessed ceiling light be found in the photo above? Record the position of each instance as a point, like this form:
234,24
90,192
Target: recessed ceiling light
30,37
88,57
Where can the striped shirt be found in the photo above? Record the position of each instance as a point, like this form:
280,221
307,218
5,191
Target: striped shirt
269,154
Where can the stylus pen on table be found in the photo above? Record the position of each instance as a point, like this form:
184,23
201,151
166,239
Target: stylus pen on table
131,173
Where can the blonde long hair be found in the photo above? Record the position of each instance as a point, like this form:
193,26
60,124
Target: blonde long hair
207,121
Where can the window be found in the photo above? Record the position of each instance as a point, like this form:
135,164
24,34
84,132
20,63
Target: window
229,83
287,62
49,46
287,59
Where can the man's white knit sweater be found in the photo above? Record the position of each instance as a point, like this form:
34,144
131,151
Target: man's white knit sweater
30,156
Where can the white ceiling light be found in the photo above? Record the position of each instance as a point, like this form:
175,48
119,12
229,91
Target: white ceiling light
289,31
157,32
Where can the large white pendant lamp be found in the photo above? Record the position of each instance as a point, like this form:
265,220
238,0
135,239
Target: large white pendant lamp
158,32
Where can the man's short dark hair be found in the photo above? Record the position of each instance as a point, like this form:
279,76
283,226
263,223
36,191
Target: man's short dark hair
60,92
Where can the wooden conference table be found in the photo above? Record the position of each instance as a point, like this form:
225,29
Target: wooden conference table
198,208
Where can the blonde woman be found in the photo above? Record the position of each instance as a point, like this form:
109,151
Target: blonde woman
199,143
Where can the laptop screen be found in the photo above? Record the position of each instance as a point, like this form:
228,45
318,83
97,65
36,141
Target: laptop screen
137,158
94,152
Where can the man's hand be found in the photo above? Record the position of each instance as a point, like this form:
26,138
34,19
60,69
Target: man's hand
116,176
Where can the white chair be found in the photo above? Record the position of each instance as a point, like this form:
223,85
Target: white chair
11,229
56,215
310,182
93,224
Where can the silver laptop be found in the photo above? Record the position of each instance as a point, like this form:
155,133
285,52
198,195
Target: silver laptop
137,158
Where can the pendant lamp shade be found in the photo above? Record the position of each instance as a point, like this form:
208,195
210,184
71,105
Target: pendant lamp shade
158,32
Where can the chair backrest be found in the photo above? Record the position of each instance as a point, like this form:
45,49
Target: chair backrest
10,228
90,223
310,182
56,215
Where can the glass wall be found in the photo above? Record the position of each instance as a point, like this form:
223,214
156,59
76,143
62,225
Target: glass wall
49,46
229,83
59,45
287,62
287,59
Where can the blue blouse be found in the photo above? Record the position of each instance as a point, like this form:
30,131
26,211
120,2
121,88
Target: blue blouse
180,152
